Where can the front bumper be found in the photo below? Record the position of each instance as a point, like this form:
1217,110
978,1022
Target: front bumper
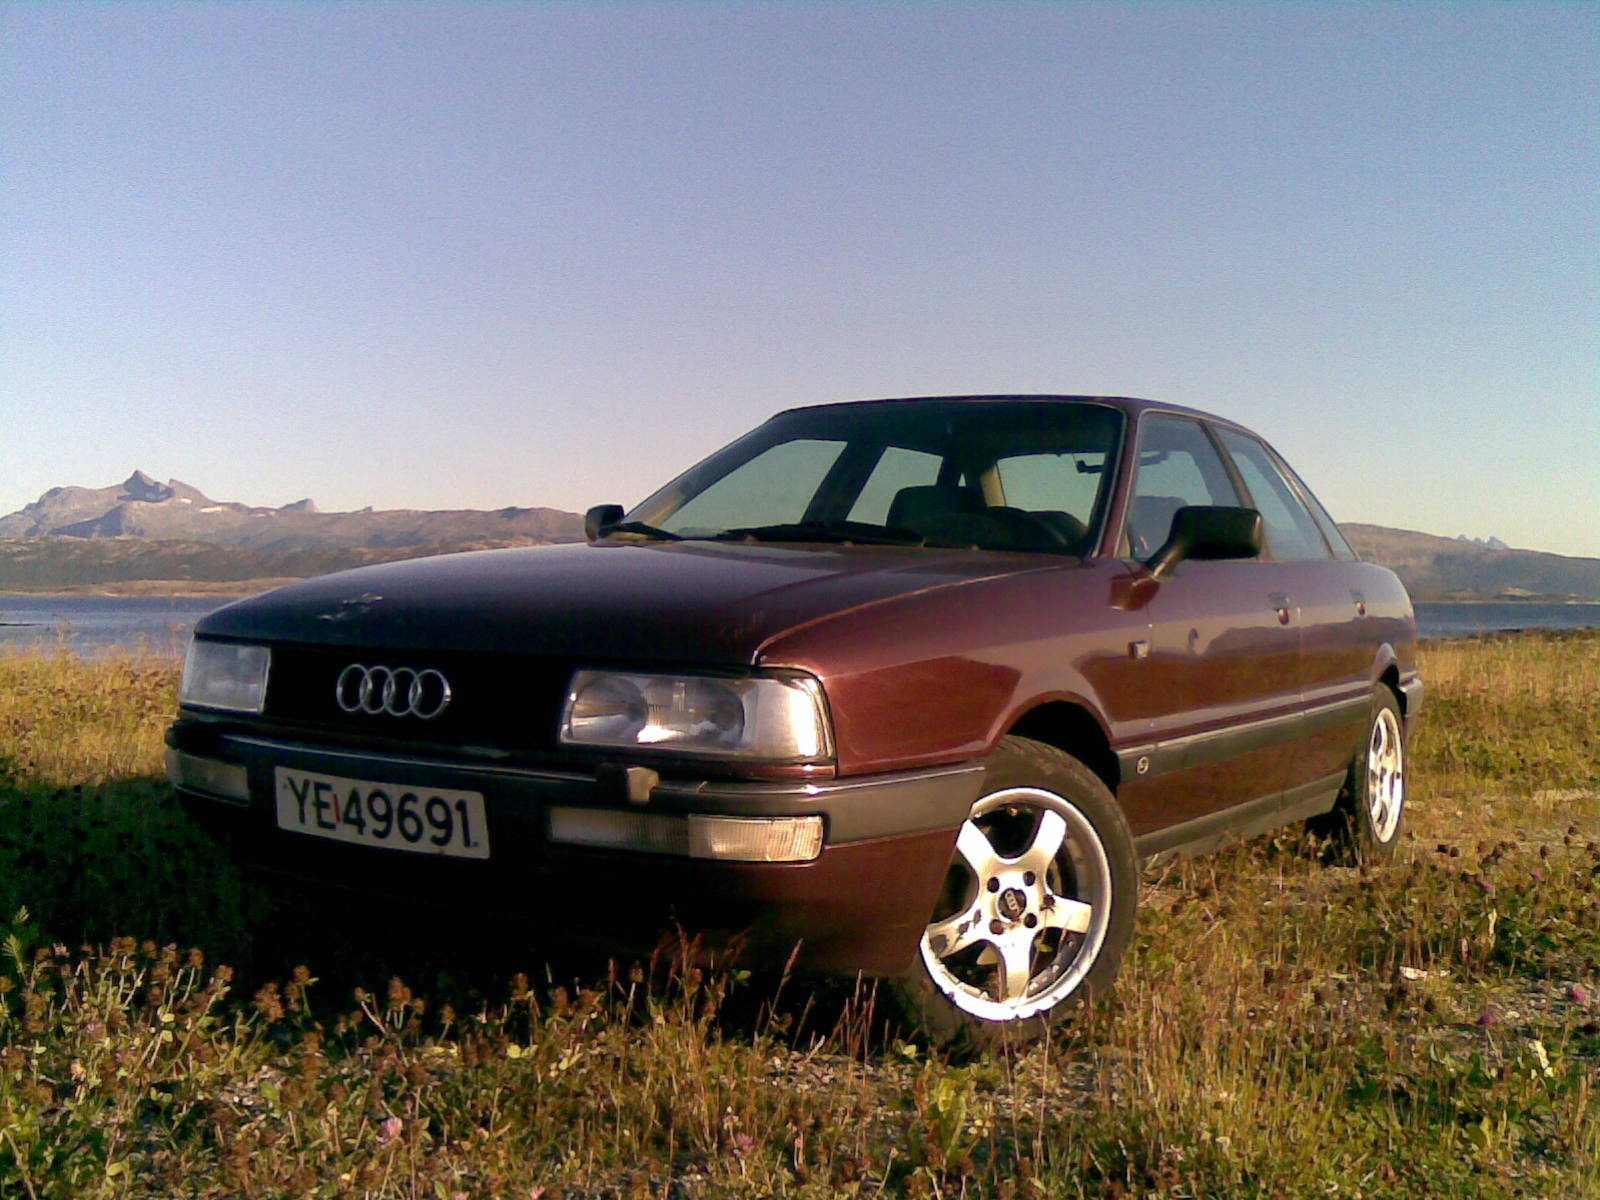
860,905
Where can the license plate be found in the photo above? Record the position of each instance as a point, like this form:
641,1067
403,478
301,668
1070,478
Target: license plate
398,816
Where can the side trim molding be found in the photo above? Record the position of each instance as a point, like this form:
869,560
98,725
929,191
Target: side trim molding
1214,745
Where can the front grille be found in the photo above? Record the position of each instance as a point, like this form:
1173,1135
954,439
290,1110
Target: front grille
503,700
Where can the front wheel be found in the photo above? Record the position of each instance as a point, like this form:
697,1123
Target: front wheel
1037,907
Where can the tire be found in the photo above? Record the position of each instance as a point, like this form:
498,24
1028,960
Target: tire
1369,817
1037,907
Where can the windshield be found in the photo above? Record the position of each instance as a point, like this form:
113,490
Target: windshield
1027,475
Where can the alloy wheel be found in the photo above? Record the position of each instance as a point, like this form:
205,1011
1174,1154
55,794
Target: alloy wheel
1386,778
1025,907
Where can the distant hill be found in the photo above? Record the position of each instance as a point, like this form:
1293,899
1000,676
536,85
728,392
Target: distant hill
1441,568
141,530
43,564
173,511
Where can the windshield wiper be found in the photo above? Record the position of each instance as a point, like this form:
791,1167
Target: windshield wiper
819,531
643,530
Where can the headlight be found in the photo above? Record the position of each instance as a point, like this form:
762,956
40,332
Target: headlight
224,675
769,717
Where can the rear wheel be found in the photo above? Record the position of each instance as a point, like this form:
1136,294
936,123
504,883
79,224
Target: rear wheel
1037,906
1369,817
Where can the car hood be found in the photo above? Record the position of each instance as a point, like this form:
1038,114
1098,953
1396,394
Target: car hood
669,602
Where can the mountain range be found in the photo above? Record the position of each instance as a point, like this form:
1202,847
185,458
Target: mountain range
175,511
144,535
1460,568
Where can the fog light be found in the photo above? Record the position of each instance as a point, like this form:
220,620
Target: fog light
730,839
222,780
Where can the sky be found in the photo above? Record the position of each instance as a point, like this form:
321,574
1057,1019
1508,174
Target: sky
475,255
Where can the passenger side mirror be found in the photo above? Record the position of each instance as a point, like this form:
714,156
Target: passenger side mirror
597,522
1207,531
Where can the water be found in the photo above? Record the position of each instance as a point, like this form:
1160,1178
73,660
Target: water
1457,620
162,624
90,625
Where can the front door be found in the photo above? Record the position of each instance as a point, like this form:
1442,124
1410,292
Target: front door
1222,660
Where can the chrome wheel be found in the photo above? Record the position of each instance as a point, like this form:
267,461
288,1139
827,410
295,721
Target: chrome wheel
1025,907
1386,775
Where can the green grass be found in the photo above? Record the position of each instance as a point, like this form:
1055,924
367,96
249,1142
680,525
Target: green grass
1281,1029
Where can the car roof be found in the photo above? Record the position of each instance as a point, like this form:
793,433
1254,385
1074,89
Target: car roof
1129,404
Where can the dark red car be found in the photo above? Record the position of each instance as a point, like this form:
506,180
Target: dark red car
913,685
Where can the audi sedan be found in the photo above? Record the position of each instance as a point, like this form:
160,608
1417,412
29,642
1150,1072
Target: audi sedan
900,687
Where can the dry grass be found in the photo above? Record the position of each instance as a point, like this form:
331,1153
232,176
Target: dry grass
1513,713
1282,1029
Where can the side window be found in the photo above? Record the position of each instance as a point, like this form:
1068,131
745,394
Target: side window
1178,466
1330,529
1292,533
896,468
773,488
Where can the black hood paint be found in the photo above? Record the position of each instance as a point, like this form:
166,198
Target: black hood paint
669,602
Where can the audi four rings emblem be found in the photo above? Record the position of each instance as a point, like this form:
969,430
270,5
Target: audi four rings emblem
398,691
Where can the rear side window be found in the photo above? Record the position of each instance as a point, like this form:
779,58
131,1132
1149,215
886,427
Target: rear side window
1178,466
1292,532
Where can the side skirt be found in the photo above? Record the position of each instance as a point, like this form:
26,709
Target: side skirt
1214,830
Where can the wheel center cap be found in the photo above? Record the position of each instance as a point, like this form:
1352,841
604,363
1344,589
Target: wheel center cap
1012,904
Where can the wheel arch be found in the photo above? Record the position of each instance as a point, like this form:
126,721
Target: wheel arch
1386,670
1071,728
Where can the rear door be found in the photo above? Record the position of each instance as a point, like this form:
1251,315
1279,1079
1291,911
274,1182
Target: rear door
1338,645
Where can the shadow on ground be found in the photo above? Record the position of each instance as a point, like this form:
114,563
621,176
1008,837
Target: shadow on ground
121,859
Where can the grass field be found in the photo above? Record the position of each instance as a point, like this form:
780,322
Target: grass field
1282,1028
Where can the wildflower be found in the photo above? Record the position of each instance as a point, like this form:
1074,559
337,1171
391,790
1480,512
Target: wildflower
389,1131
743,1144
1487,1019
1578,994
1539,1053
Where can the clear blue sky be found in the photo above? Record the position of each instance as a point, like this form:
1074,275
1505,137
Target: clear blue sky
477,255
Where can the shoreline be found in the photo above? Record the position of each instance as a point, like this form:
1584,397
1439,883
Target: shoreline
176,588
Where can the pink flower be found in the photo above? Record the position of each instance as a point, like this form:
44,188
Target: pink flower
743,1143
1578,994
536,1191
1487,1018
389,1131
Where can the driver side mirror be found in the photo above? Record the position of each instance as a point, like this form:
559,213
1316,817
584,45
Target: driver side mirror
1207,531
597,522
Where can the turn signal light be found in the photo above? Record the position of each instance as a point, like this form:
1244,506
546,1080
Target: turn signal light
730,839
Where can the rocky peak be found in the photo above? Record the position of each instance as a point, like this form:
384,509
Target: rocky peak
140,486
